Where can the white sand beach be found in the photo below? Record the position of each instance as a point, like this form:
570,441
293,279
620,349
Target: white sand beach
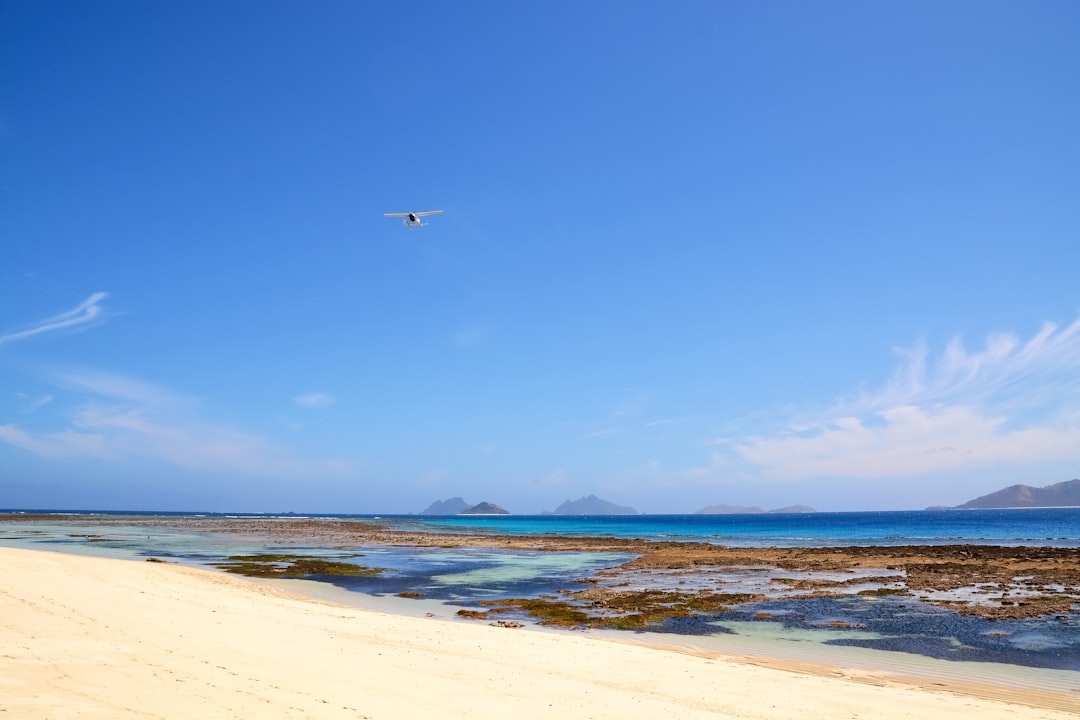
84,637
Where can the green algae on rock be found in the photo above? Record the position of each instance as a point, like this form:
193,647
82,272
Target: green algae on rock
634,610
293,566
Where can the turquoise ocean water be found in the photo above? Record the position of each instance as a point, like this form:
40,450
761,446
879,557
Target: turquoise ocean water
1028,526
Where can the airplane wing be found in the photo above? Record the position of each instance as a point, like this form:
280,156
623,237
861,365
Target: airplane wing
395,214
428,212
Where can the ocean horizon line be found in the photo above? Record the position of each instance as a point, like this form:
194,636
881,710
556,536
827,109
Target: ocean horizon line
546,514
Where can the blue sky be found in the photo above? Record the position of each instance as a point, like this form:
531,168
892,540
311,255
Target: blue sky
692,253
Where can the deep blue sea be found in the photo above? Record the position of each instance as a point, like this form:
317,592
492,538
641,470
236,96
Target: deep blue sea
1027,526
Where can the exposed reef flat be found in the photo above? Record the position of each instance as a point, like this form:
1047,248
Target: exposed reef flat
666,579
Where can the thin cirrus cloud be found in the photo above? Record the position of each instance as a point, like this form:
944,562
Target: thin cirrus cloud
123,420
314,400
1012,402
30,405
85,312
116,387
63,445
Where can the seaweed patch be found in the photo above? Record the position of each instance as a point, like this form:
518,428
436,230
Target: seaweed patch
293,566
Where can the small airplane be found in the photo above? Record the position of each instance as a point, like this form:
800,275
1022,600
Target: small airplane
413,219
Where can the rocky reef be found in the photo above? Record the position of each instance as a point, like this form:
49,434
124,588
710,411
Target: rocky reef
292,566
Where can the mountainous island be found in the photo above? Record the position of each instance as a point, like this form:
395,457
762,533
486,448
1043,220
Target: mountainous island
1062,494
457,506
750,510
591,505
485,508
450,506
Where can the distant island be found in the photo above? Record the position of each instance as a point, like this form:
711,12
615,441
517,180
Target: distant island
485,508
457,506
591,505
1062,494
451,506
750,510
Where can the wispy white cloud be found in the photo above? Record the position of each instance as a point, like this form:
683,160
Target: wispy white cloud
289,422
123,420
1044,370
609,432
1014,401
909,441
30,405
314,400
116,387
62,445
85,312
133,432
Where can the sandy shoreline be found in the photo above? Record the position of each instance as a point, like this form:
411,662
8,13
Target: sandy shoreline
86,637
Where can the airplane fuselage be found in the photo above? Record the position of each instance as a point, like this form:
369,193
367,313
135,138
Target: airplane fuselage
413,219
